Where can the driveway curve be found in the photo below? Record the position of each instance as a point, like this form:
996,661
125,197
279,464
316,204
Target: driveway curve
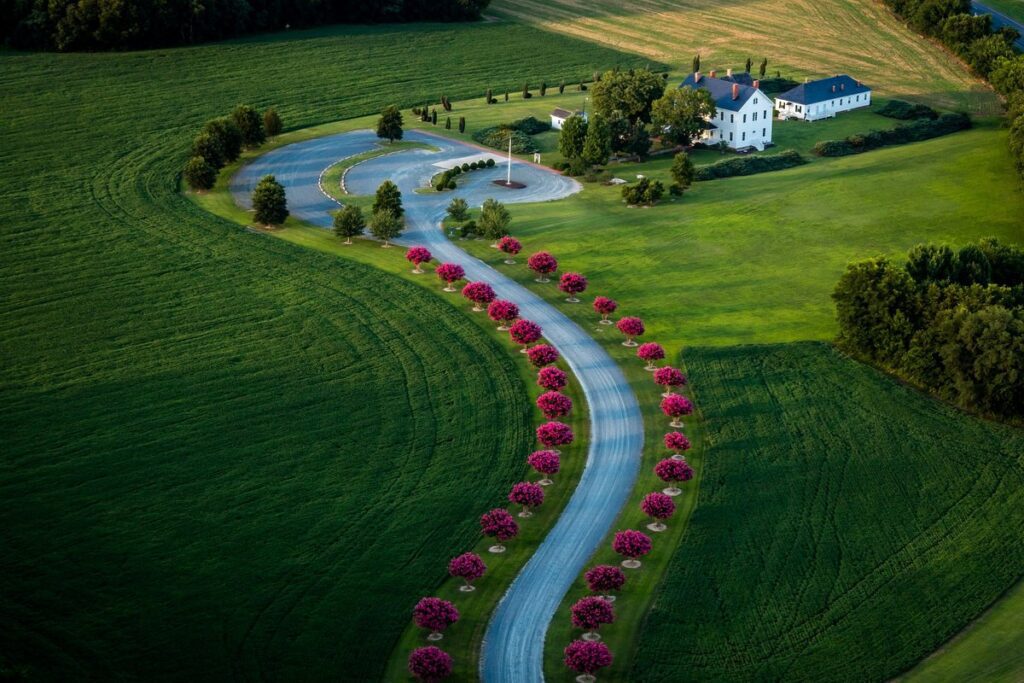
513,644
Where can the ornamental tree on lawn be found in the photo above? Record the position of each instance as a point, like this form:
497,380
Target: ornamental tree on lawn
250,123
272,122
458,210
676,407
683,172
524,332
349,222
386,225
199,174
573,284
631,327
572,137
479,293
605,578
671,471
554,433
494,220
587,657
605,307
590,613
418,256
450,273
552,379
511,246
268,199
389,125
388,197
650,352
502,312
543,264
500,525
542,355
554,404
631,544
669,377
430,664
546,463
469,567
658,506
527,494
435,615
677,442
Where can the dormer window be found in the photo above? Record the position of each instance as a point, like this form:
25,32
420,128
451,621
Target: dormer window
755,100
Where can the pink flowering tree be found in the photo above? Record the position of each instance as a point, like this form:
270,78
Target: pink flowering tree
510,246
542,355
502,312
543,264
604,579
450,273
435,615
552,379
546,463
676,407
527,494
671,472
479,293
669,377
554,404
500,525
658,506
587,658
553,434
631,327
650,352
631,545
524,332
469,567
430,664
417,256
677,442
605,307
572,284
590,614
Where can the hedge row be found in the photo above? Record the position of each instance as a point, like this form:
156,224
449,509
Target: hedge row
738,166
922,129
905,111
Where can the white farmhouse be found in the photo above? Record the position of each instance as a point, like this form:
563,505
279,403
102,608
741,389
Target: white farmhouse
743,116
559,115
823,99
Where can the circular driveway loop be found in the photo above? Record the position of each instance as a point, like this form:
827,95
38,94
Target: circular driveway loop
513,646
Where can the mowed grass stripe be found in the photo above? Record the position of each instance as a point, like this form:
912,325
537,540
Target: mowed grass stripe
775,582
800,38
228,456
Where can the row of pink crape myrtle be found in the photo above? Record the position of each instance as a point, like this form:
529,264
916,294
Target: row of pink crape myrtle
587,654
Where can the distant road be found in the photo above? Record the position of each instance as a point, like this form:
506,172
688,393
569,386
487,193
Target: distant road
999,20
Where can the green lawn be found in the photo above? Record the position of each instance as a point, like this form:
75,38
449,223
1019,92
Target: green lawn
1011,8
226,456
846,526
991,650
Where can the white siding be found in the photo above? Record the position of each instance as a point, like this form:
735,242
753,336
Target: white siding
819,110
751,126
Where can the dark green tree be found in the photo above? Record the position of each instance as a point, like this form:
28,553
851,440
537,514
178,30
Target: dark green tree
494,220
973,266
764,67
597,144
458,210
272,122
490,96
877,309
1007,262
462,124
388,198
448,123
932,263
682,171
433,116
386,225
228,135
561,87
748,64
681,114
349,222
572,137
269,202
631,92
506,95
696,64
199,174
209,147
389,125
250,123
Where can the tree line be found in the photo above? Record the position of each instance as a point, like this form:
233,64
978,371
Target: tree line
989,53
948,321
220,142
91,25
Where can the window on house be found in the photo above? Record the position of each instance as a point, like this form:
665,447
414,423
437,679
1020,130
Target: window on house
764,132
755,100
744,136
754,117
744,118
732,118
730,137
721,116
766,114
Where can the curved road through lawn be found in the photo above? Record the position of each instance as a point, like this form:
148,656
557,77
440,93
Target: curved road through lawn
514,642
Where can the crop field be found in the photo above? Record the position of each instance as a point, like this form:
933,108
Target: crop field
226,456
800,38
838,507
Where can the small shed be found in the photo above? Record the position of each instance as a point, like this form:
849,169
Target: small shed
559,115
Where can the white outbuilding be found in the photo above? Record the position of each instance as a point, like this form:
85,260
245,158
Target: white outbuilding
559,115
743,113
823,99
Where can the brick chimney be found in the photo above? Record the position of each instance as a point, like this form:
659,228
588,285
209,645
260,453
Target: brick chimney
711,74
842,86
735,91
833,88
757,85
696,77
728,72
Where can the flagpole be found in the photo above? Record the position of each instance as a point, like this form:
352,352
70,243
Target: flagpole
508,178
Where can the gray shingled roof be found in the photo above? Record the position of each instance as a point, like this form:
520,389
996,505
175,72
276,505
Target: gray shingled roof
721,91
821,91
563,113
